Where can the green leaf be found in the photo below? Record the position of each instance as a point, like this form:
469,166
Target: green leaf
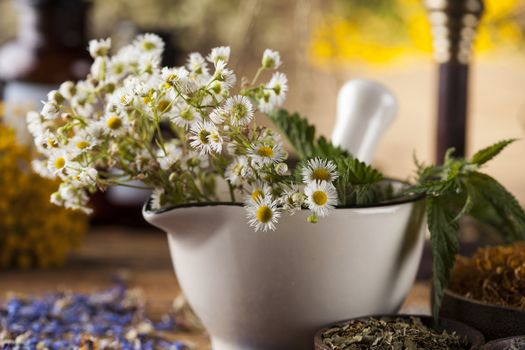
443,235
301,135
486,154
509,216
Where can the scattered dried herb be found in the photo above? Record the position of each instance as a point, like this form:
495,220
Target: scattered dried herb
113,319
494,275
390,334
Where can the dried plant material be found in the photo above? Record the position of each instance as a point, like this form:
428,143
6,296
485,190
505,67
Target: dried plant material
494,275
390,334
516,344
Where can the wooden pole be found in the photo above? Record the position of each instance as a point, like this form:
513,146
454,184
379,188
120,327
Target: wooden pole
454,24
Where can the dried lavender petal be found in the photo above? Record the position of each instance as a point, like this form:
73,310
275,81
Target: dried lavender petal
66,321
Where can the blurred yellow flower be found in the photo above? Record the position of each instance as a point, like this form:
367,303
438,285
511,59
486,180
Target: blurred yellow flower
33,232
381,34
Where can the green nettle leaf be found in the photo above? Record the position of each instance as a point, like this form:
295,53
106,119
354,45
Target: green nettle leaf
301,135
443,235
486,154
456,189
509,218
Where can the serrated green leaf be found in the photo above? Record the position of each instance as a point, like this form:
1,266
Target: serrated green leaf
301,135
443,235
510,216
486,154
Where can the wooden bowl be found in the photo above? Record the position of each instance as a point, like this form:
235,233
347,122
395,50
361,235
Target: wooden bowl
494,321
469,334
504,344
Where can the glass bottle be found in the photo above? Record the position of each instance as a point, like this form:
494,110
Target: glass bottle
50,48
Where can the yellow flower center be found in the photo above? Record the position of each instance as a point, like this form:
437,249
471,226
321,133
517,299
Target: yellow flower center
163,106
320,198
60,162
264,214
320,174
52,143
257,194
82,144
216,88
148,45
203,137
114,122
186,115
239,111
265,151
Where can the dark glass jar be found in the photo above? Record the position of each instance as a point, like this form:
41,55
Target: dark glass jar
50,48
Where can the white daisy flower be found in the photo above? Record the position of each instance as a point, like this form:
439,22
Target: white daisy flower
50,111
68,89
185,116
224,75
240,110
82,142
221,53
238,170
98,68
200,136
98,48
278,86
263,214
281,169
218,116
58,162
156,198
266,103
84,176
318,169
264,154
197,66
151,43
292,199
149,63
258,192
71,197
55,96
114,124
321,197
174,76
271,59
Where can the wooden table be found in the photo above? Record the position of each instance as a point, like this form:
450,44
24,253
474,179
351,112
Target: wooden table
142,259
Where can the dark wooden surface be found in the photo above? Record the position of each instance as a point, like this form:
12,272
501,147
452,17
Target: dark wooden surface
141,257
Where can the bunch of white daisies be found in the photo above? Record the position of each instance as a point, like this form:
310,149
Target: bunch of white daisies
180,131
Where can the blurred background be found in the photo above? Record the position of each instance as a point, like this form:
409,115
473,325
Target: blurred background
323,44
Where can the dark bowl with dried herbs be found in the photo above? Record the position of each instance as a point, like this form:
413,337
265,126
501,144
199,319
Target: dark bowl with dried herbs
398,332
487,291
510,343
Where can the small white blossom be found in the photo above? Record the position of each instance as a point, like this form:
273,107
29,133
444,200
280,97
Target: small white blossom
318,169
278,86
240,110
271,59
185,116
98,48
263,214
321,197
156,198
221,53
264,154
149,43
238,170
